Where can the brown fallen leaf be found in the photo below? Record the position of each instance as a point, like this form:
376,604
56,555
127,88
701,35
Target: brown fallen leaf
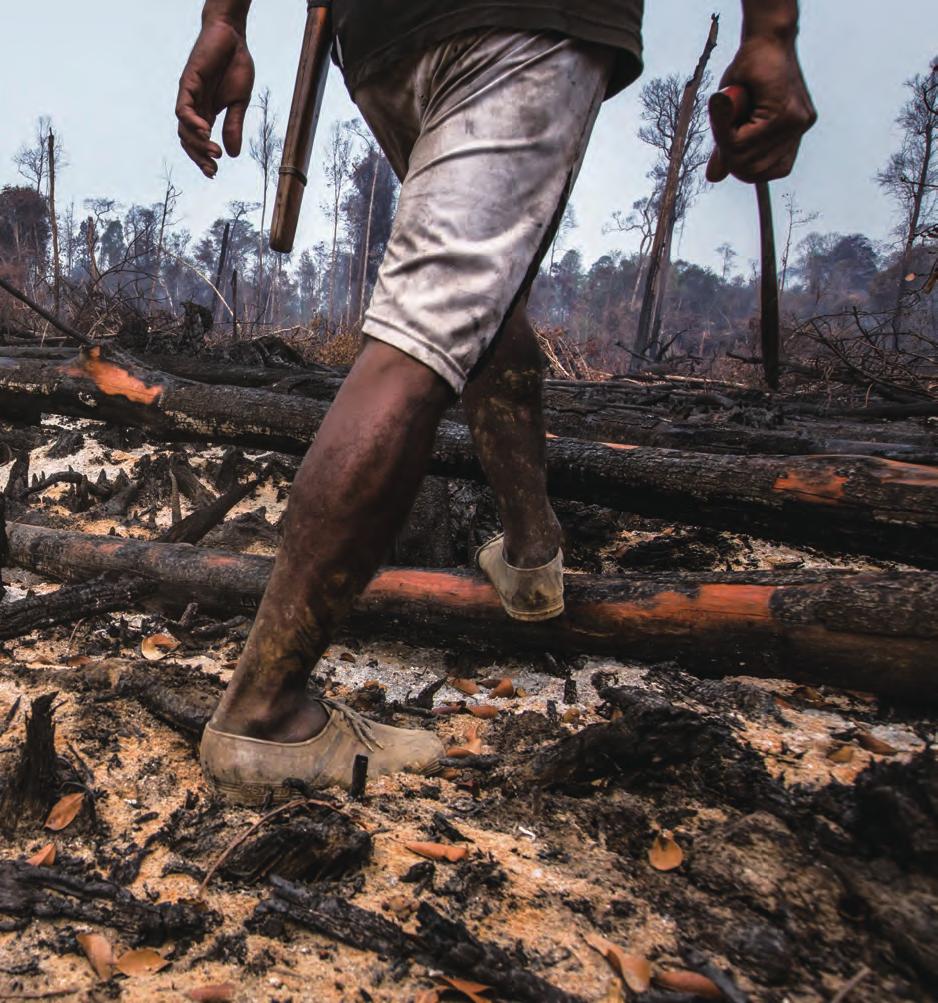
44,857
688,982
462,751
99,953
77,661
471,990
633,969
438,851
483,710
428,996
444,709
65,811
221,993
468,686
505,688
144,961
841,754
489,682
664,854
875,745
571,715
157,646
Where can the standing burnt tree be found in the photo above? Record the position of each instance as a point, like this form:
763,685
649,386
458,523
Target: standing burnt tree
676,126
911,176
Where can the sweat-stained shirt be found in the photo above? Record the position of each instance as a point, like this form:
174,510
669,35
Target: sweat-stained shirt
373,34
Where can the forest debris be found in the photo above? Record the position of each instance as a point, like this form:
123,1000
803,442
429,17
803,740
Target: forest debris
65,811
143,961
471,990
633,969
44,857
467,686
681,981
158,646
99,953
841,753
664,854
438,851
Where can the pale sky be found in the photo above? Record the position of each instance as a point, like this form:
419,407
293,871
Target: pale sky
106,72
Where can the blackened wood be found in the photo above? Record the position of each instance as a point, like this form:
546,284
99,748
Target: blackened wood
33,784
875,632
851,503
203,520
28,893
359,779
70,604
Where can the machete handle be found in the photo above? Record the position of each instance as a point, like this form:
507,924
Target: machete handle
730,106
301,126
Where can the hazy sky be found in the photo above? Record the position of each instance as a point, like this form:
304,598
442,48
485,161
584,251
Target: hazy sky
106,72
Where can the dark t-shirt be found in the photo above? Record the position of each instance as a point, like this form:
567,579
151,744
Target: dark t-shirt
373,34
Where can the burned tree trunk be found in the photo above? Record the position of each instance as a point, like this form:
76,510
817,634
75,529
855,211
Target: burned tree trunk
853,503
860,631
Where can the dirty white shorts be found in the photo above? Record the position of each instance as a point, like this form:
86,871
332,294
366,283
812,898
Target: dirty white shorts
487,132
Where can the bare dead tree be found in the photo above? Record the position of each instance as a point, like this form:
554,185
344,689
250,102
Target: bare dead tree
641,220
727,255
796,218
336,168
676,127
54,225
265,148
911,175
170,196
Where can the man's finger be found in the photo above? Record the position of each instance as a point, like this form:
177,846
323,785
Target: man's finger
233,130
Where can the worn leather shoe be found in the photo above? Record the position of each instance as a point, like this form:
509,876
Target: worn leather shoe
526,593
248,771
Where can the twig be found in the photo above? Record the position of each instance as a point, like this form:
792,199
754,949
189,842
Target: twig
844,991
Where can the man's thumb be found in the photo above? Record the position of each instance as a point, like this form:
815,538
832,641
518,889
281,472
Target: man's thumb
233,129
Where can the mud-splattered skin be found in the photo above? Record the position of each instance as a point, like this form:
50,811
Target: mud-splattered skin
352,495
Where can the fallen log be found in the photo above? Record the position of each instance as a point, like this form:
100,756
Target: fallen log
850,503
578,409
872,632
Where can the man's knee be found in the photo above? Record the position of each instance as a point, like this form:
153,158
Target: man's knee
387,367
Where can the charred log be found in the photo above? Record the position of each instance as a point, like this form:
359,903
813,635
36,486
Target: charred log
874,632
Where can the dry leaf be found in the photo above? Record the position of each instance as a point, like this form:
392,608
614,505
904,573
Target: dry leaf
841,754
438,851
571,715
221,993
447,708
157,646
144,961
689,982
77,661
98,952
484,710
428,996
875,745
65,811
489,682
462,751
44,858
633,969
505,688
665,854
467,686
471,990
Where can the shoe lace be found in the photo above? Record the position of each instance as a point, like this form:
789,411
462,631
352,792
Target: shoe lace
361,726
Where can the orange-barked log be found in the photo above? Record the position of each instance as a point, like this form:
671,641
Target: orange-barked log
873,632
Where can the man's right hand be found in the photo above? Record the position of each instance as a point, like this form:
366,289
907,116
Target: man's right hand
764,147
219,76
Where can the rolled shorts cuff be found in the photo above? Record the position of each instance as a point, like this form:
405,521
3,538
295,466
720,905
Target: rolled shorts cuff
431,355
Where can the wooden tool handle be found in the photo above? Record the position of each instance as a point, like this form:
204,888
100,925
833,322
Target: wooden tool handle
301,128
731,105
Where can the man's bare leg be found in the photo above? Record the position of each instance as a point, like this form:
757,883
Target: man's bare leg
504,406
350,497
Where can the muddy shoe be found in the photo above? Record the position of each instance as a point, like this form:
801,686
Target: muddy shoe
526,593
248,770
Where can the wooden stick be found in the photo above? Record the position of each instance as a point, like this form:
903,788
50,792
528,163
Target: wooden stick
301,128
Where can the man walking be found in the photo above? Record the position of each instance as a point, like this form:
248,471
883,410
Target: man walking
484,109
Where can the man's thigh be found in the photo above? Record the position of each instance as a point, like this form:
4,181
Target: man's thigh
488,140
